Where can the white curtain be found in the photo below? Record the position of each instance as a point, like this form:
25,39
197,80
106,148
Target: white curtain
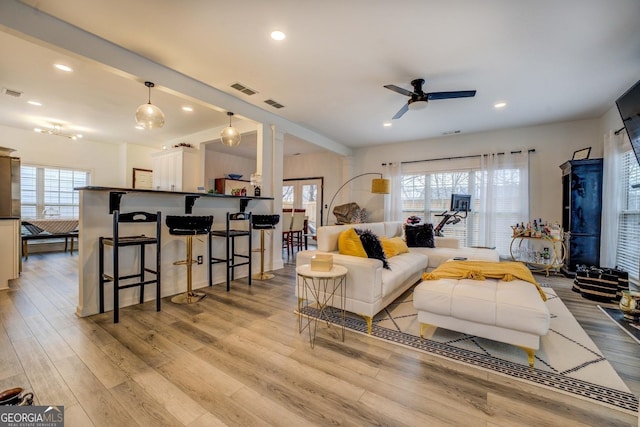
394,207
612,195
503,191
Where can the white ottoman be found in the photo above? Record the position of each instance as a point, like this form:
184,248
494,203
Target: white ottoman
510,312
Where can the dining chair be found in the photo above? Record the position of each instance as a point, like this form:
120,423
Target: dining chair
297,230
287,220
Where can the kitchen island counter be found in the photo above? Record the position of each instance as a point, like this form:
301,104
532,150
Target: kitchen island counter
96,206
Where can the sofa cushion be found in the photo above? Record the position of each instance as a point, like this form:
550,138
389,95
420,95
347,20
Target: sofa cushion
512,305
439,255
404,269
349,243
328,235
419,235
372,246
393,246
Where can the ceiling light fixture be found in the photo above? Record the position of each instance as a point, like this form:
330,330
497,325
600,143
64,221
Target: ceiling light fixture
148,115
229,135
278,35
387,124
63,67
499,105
187,109
417,104
36,103
57,130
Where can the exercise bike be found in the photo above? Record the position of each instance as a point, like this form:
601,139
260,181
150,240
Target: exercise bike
449,217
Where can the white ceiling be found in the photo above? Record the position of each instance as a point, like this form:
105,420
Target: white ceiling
548,60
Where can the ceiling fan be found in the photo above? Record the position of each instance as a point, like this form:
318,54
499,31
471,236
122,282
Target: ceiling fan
418,99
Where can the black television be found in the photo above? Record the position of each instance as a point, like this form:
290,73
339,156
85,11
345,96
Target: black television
460,202
629,109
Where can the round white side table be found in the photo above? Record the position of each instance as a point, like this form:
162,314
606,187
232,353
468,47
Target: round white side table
319,290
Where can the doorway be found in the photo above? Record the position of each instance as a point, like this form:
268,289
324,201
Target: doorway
304,193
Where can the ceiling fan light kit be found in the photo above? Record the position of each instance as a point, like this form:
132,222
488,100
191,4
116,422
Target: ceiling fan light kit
148,115
419,104
418,99
230,135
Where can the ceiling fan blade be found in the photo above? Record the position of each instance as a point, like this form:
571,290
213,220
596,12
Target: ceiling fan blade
401,112
448,95
399,90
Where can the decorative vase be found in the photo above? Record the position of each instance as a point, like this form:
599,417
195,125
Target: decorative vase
630,305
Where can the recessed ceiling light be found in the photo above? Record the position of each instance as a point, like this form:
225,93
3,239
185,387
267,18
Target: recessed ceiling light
499,105
36,103
278,35
187,108
63,67
139,127
387,124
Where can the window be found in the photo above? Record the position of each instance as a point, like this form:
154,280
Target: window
628,251
429,196
498,185
49,192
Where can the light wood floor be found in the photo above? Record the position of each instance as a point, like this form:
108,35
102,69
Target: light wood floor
237,359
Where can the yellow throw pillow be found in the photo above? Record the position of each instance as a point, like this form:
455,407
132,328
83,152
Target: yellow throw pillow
349,244
393,246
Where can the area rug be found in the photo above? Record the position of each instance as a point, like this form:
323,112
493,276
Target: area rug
567,361
631,328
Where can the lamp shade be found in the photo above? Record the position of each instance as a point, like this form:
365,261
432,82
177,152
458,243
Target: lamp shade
230,136
380,186
149,116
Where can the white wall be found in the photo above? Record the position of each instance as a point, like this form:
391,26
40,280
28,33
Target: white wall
553,143
219,165
136,156
111,165
611,120
327,165
103,160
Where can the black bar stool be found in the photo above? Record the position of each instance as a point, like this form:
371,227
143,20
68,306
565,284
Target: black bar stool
141,241
230,234
188,226
262,223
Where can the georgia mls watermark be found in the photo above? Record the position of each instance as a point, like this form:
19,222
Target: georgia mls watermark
31,416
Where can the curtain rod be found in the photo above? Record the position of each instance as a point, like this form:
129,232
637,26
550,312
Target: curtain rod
619,130
531,150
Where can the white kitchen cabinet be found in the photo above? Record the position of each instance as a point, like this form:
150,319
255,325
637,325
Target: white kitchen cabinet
9,251
177,169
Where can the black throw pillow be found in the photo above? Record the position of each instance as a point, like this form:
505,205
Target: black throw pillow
419,235
372,246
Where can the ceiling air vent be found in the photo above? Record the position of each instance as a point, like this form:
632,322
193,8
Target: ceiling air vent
11,92
273,103
242,88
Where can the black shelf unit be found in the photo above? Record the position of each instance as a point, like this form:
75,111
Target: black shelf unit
581,212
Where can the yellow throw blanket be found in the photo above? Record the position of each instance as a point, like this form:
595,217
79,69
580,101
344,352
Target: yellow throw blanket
481,270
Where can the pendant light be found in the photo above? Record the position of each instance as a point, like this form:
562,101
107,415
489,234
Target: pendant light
229,135
148,115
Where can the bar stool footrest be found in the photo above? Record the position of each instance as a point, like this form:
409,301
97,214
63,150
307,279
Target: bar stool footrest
188,297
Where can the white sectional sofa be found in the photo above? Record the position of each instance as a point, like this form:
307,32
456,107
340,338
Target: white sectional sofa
370,287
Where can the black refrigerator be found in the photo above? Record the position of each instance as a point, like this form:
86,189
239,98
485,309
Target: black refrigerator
582,212
9,187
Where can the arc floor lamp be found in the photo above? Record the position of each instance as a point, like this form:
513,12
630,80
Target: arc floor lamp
378,186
